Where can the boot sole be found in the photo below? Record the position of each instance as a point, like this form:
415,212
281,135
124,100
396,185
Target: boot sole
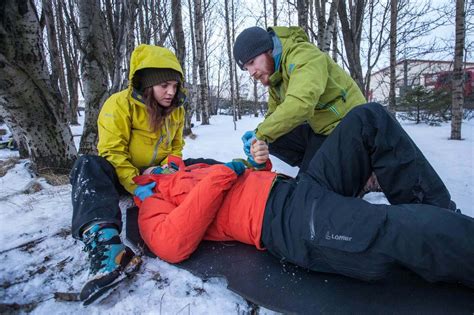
128,272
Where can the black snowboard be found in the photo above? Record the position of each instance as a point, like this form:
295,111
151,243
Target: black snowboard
283,287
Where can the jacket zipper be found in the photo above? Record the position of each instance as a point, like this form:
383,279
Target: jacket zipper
167,130
155,151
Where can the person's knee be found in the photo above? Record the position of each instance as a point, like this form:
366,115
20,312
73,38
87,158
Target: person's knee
369,112
86,162
375,108
79,165
86,158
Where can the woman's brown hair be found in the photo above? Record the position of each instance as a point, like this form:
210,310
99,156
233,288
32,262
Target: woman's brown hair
156,112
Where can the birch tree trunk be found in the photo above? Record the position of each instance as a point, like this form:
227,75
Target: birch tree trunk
458,72
229,55
177,21
194,64
71,67
302,9
255,98
335,49
154,19
275,12
198,18
238,101
57,71
330,30
320,11
121,14
28,103
393,55
94,70
132,14
326,28
265,23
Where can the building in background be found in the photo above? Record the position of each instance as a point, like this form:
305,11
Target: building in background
432,74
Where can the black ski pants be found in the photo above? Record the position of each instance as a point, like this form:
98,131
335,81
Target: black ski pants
316,221
297,147
96,191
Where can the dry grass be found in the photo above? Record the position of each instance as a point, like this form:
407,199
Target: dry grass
53,178
7,165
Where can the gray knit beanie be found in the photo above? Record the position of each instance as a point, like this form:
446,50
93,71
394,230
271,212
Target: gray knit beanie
252,42
153,76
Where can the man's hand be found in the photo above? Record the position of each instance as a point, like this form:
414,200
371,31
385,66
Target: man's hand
259,151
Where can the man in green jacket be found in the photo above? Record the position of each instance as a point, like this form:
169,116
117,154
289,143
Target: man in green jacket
309,93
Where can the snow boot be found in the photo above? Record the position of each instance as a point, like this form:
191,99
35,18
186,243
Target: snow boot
110,260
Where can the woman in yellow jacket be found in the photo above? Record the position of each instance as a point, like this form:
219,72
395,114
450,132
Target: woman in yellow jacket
139,128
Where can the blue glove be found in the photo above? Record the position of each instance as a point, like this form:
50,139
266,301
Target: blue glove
144,191
247,139
236,166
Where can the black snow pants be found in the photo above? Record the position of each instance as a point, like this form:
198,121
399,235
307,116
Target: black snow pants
297,147
316,221
96,191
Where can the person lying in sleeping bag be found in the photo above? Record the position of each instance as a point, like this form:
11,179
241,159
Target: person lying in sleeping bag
316,221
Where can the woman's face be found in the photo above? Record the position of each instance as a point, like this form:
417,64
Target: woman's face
165,92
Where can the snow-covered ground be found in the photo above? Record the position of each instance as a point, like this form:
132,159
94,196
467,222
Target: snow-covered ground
39,256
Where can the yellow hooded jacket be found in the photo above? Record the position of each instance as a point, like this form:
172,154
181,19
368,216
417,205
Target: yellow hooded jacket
125,136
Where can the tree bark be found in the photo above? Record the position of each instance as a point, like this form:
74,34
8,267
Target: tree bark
194,90
31,108
377,39
351,27
335,49
302,9
57,71
177,21
255,97
275,12
393,55
330,30
69,53
231,61
198,17
238,101
326,29
132,14
458,72
122,13
94,70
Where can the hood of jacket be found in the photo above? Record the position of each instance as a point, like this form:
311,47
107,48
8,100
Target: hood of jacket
151,56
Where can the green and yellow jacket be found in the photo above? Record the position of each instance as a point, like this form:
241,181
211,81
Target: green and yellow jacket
307,86
125,136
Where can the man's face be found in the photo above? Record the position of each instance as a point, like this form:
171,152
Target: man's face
261,68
